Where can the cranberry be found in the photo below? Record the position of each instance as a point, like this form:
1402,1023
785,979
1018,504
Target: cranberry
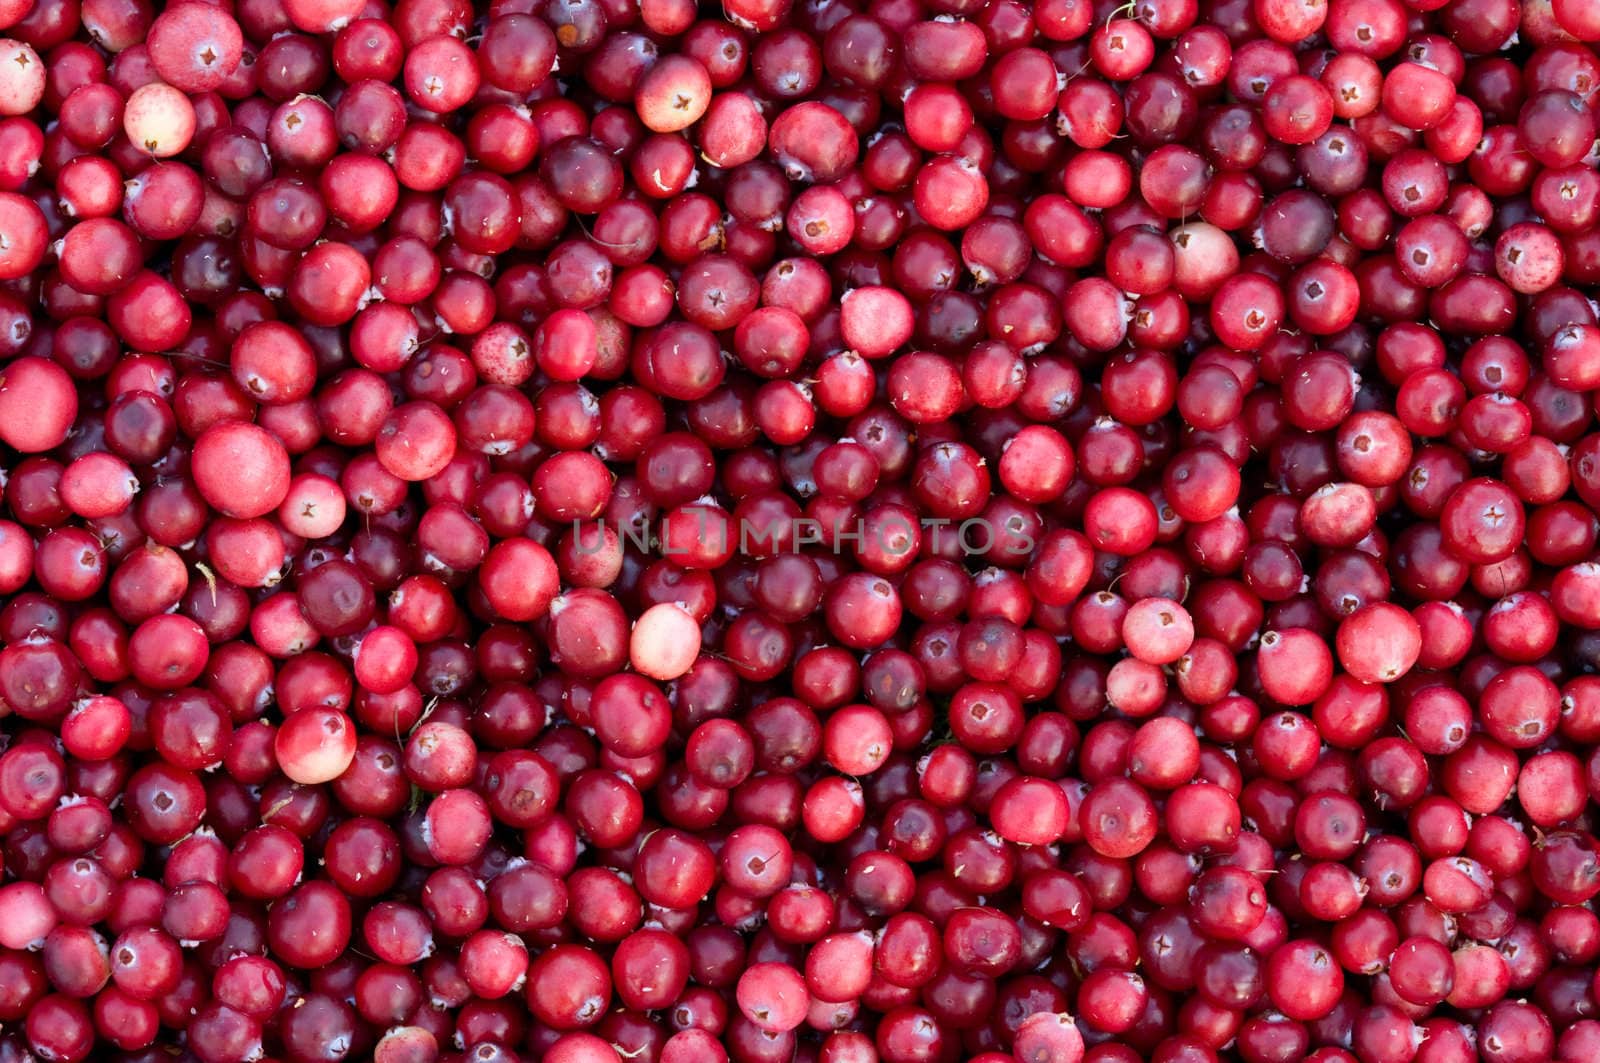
1027,511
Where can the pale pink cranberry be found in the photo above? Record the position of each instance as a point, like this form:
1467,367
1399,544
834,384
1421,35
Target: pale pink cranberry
673,94
322,16
159,120
240,469
1053,1037
773,997
314,506
97,486
876,321
1379,643
22,77
315,745
38,402
665,641
26,915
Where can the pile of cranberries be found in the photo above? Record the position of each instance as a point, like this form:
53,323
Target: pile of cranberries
799,531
